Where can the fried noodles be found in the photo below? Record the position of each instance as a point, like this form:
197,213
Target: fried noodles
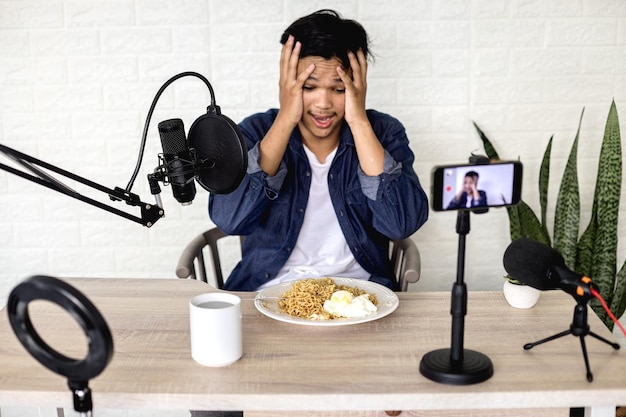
306,298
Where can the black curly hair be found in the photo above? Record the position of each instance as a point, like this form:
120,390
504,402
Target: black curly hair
326,34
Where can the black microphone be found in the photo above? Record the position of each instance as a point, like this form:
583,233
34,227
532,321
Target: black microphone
542,267
178,164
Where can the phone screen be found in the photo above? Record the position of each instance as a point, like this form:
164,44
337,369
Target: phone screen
475,187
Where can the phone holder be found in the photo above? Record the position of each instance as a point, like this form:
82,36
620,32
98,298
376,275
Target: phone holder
457,365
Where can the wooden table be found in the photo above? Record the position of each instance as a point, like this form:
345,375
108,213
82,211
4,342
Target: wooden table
286,367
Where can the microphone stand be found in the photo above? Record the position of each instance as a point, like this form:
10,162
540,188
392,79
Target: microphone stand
580,328
456,365
150,213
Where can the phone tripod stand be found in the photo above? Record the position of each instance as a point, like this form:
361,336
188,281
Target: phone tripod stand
579,327
457,365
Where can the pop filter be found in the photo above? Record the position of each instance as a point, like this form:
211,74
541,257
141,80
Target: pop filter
221,154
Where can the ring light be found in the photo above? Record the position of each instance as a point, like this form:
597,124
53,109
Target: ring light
100,342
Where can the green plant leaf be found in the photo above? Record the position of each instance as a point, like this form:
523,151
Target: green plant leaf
605,209
515,228
489,149
513,280
567,210
584,262
530,226
544,179
618,303
584,249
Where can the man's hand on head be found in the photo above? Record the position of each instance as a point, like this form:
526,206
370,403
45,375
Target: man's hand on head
356,87
291,83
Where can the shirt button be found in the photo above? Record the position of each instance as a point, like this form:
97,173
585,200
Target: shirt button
308,173
288,249
301,210
267,275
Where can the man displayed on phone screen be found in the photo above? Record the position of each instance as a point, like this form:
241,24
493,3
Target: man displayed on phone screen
469,196
456,187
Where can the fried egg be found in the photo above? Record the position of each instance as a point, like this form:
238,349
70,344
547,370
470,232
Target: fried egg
344,304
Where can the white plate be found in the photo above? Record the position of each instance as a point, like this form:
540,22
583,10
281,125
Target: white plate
387,303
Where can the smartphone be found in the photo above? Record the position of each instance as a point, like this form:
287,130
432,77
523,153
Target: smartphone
476,187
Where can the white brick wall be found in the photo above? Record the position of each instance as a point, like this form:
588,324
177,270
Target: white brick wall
78,76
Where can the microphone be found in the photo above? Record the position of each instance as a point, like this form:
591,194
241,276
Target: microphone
178,164
542,267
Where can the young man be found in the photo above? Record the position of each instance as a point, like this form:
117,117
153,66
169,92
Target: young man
329,183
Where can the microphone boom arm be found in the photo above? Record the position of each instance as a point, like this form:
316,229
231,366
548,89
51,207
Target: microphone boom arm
150,213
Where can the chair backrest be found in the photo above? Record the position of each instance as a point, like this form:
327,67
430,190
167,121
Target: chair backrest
404,255
407,262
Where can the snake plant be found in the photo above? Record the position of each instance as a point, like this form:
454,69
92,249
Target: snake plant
594,253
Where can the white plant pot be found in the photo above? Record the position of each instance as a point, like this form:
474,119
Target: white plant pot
520,296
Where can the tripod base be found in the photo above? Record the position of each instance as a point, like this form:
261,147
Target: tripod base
438,366
580,329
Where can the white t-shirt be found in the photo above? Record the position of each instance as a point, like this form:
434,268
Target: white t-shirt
321,249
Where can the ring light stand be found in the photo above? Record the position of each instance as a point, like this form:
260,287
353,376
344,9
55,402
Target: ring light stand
457,365
100,341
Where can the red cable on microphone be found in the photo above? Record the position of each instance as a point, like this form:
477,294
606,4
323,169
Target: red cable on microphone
608,311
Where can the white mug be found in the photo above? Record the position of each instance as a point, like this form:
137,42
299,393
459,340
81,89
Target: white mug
215,328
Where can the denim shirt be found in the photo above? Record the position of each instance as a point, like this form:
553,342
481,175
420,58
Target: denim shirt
269,210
